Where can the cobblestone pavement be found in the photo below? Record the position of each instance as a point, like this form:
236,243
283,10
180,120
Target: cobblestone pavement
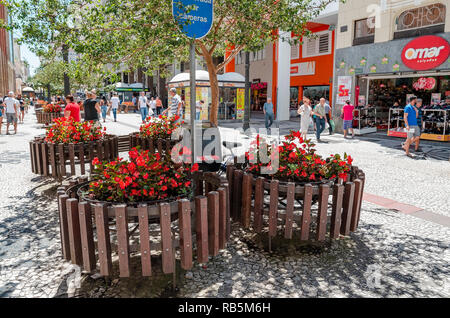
391,254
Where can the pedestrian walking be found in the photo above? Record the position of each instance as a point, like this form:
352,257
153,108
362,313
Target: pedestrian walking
91,107
115,102
347,116
305,112
198,109
12,109
72,109
321,119
104,109
153,106
159,106
268,114
327,114
412,129
21,107
176,104
419,111
143,106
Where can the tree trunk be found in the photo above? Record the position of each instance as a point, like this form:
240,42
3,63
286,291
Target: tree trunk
214,86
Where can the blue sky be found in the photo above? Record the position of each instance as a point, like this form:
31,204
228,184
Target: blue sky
34,60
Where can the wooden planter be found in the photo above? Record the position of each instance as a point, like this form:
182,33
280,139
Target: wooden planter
277,207
151,144
92,234
49,159
46,118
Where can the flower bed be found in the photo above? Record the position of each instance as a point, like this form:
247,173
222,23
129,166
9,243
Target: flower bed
69,144
298,161
105,209
69,131
48,113
144,177
296,196
52,108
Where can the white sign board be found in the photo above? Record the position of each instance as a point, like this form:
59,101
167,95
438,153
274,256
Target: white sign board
306,68
344,88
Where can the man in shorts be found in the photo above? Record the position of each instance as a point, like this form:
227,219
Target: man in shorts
12,106
412,129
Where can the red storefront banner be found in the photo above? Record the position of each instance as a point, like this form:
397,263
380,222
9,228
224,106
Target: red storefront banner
426,52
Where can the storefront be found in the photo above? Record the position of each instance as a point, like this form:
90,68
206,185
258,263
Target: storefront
127,91
259,95
231,94
386,74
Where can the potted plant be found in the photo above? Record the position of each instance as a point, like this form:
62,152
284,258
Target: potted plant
48,113
161,133
119,204
72,143
293,177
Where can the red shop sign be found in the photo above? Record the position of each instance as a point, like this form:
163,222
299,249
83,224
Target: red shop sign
426,52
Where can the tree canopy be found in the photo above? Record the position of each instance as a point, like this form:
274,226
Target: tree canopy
110,34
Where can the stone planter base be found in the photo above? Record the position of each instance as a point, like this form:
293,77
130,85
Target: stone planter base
92,234
317,212
60,160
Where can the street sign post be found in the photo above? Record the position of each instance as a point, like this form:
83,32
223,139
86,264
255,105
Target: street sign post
194,18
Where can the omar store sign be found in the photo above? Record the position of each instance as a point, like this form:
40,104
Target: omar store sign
426,53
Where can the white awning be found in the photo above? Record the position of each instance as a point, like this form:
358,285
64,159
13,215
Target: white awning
28,89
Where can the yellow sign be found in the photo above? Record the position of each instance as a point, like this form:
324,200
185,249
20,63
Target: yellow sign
240,103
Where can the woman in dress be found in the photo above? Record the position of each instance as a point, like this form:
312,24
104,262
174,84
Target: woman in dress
305,111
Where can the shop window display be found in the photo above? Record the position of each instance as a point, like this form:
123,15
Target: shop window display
293,98
393,93
315,93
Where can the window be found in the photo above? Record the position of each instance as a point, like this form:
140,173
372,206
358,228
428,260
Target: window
319,44
295,50
254,56
364,27
421,17
420,21
364,31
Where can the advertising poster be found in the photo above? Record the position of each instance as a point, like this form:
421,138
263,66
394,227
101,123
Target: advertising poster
203,94
344,89
436,98
240,103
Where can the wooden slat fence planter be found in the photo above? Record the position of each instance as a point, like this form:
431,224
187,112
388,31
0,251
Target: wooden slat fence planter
314,212
151,144
92,234
61,160
46,118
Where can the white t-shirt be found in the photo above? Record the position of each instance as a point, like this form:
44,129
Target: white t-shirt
10,102
142,101
153,104
115,101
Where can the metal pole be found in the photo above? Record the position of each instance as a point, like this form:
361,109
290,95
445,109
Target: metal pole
246,124
65,53
193,98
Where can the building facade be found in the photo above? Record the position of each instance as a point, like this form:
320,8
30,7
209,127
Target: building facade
286,72
7,74
21,69
389,50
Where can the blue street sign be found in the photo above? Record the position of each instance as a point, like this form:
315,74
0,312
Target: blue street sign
199,13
